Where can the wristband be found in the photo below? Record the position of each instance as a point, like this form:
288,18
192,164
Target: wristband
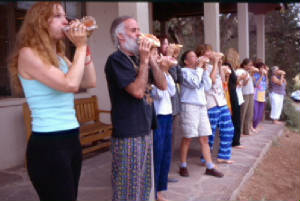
87,63
88,51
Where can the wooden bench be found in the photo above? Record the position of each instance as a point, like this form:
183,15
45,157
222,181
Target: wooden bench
94,134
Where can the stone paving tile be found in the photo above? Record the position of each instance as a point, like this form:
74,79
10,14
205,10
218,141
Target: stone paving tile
95,182
14,192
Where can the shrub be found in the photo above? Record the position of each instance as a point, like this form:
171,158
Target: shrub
291,113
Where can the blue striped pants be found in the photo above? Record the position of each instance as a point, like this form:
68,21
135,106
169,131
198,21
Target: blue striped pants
219,116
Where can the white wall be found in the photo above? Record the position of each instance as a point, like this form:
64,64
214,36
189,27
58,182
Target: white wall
101,47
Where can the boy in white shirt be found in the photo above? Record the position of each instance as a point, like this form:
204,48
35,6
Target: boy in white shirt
194,117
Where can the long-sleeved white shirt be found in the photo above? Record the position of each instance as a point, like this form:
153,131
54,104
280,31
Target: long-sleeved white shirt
195,81
162,98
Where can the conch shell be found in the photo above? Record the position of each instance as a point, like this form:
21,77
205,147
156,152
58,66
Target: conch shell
153,39
88,21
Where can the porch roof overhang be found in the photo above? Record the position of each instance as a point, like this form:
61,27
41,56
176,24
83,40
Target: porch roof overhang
164,11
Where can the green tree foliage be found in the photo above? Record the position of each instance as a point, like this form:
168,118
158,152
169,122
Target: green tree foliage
282,36
282,41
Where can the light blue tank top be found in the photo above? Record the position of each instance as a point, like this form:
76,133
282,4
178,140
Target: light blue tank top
51,110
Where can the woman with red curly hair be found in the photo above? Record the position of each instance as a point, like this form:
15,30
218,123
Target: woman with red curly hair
49,81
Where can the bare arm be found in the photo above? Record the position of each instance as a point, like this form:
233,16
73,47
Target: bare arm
31,66
246,80
89,75
213,74
138,87
278,81
159,77
222,74
259,80
242,80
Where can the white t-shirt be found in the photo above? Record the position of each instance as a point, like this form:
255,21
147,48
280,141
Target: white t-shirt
162,98
249,87
239,72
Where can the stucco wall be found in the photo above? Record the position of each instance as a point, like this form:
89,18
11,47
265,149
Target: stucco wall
101,46
12,134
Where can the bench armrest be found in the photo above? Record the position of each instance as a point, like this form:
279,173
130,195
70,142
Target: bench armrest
104,111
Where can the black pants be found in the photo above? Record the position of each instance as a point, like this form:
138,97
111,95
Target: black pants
54,164
236,120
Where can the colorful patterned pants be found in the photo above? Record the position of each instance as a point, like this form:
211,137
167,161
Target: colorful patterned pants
131,168
220,117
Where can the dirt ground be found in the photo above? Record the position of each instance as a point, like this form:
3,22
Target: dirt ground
277,177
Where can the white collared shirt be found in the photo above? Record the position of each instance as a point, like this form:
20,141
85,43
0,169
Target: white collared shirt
162,98
195,81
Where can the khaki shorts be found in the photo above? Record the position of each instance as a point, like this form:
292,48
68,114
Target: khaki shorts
194,121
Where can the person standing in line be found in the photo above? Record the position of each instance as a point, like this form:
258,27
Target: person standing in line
218,111
193,117
236,95
175,72
130,71
260,86
162,139
277,93
49,81
248,94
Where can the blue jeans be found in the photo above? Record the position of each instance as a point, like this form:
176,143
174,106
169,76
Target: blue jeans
162,151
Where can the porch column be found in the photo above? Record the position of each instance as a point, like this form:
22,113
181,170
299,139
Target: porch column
260,36
211,25
138,10
243,30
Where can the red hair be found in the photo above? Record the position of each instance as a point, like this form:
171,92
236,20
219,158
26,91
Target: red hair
34,34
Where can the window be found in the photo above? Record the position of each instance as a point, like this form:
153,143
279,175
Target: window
7,37
12,15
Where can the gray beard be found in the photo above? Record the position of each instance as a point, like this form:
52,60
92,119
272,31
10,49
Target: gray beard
131,45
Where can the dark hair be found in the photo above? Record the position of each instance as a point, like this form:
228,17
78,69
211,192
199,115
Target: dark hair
257,60
161,39
259,65
245,62
202,48
227,64
114,26
183,57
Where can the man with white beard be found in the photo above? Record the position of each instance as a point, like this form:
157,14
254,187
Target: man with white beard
130,71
